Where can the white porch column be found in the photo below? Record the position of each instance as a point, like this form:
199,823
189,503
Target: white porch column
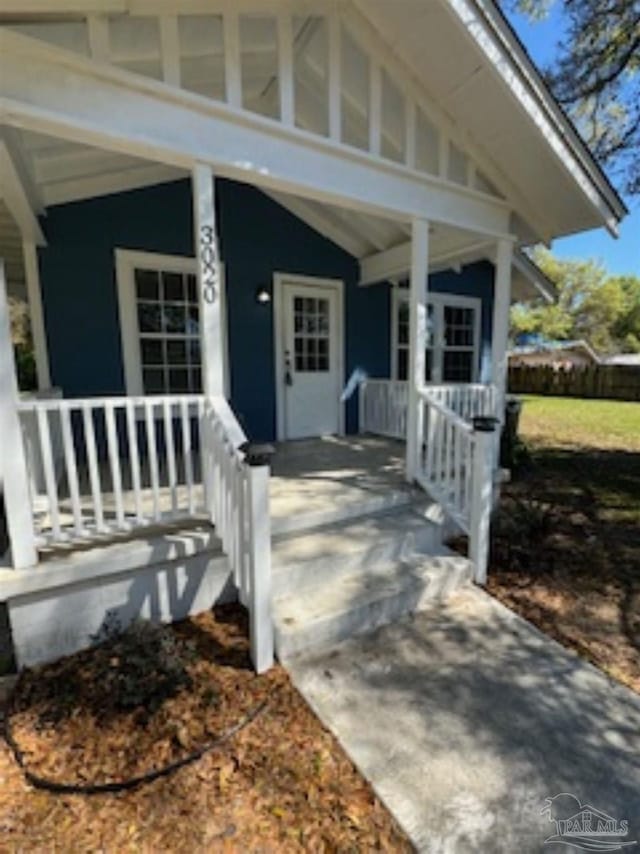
36,315
501,308
209,281
13,464
417,342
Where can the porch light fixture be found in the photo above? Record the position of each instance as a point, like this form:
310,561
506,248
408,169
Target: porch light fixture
263,295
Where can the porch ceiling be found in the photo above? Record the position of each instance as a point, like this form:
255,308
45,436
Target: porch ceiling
63,171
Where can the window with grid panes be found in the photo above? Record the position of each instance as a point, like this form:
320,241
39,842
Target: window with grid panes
311,334
169,330
459,344
402,369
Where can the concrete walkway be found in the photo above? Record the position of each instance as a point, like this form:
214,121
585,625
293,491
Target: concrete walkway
466,719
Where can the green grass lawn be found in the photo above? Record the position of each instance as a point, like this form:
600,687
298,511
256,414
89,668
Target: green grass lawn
562,421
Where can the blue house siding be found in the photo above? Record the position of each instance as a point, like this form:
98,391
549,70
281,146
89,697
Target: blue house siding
258,238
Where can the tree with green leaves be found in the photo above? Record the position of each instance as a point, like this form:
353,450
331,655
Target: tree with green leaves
592,306
596,77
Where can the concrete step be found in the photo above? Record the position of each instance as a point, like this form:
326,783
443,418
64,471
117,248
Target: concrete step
360,601
326,553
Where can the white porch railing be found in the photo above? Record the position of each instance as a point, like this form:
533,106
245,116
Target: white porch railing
455,468
110,465
383,408
383,404
129,463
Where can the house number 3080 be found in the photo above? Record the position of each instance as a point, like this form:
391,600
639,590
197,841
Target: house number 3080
208,259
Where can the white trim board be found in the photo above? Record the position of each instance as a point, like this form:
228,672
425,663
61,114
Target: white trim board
126,261
279,281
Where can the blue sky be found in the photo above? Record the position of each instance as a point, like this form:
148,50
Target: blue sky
618,256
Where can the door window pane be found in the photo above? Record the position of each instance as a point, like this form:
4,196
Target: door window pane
311,334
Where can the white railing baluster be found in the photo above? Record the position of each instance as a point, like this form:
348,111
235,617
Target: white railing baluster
152,456
44,435
134,460
92,462
187,458
170,451
71,467
113,449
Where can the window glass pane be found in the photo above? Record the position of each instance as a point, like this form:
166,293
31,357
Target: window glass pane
173,284
149,317
458,366
153,381
152,351
201,40
147,285
192,289
193,346
178,381
177,352
193,321
403,364
175,319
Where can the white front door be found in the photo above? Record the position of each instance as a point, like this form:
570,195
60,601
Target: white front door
310,352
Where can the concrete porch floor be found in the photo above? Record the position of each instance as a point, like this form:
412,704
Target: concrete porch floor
334,477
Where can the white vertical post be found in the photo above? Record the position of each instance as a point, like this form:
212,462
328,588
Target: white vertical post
261,622
170,47
375,107
335,77
500,334
232,58
38,331
285,66
481,504
13,463
209,281
417,342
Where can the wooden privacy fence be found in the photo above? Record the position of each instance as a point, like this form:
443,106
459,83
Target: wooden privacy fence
616,382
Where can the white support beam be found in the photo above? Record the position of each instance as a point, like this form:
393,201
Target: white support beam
209,281
285,68
417,343
501,310
14,475
335,77
36,314
397,261
99,40
232,57
170,49
375,107
52,91
16,197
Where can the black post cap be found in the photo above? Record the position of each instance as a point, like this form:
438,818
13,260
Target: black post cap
257,455
485,424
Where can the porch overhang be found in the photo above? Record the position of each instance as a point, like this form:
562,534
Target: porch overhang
52,91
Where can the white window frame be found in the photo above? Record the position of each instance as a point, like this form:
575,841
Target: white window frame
279,281
126,263
439,301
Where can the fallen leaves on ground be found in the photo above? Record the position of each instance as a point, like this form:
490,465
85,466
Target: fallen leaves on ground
282,784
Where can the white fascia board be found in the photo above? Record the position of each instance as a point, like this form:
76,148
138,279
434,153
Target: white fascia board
534,277
52,91
473,17
16,198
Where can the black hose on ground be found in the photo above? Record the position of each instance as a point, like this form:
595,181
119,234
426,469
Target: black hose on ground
133,782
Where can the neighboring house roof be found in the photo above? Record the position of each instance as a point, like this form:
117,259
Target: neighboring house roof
624,359
557,347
